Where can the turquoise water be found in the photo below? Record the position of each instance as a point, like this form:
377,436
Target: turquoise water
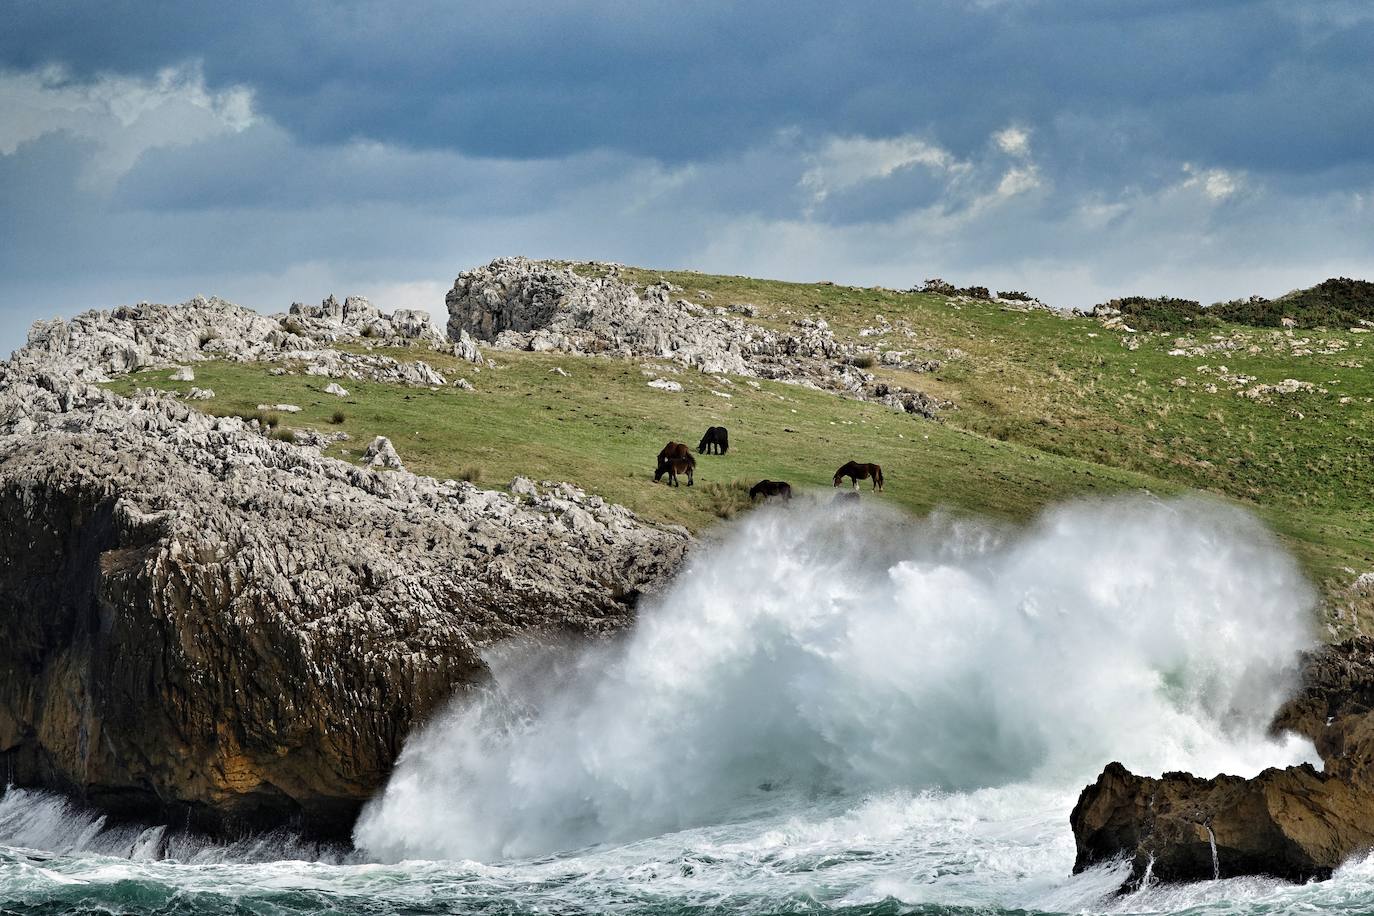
1003,851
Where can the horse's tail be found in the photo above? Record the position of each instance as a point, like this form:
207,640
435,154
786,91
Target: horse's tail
878,473
723,440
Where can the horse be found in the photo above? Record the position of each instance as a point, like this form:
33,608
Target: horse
770,488
857,472
674,450
675,466
715,436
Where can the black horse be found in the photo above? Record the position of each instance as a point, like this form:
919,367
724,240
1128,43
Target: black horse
715,436
770,488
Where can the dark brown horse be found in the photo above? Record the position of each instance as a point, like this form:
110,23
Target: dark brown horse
674,450
716,437
857,472
770,488
675,466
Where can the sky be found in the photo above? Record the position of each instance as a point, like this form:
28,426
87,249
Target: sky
271,152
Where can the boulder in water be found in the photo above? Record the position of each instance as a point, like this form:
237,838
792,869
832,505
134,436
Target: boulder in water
1296,823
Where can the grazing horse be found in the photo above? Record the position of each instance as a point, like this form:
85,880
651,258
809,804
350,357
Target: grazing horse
857,472
674,450
770,488
715,436
675,466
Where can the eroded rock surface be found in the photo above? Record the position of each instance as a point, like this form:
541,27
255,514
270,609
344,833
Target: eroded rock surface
99,345
517,303
1297,823
208,625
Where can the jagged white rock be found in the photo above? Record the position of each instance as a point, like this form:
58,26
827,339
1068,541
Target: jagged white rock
517,303
255,626
382,454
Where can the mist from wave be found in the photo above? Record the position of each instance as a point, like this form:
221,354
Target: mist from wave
823,656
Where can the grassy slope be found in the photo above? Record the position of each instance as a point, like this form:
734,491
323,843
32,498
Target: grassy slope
602,426
1049,408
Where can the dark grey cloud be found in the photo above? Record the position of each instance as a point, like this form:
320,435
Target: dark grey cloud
279,151
1244,83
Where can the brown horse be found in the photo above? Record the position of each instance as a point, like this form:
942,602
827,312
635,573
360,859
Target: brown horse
770,488
675,466
857,472
674,450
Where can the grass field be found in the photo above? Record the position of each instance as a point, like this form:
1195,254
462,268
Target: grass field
1048,408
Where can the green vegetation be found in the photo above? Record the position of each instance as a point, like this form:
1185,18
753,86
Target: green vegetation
1048,408
1336,303
1163,313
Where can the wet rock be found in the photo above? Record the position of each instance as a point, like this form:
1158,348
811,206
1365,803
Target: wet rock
1296,823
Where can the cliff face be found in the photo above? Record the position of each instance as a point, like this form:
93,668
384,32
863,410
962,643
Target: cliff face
211,626
1296,823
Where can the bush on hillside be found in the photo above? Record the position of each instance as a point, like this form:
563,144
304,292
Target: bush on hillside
940,287
1335,303
1161,313
1015,295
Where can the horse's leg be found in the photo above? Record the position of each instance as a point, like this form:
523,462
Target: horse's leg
855,481
689,476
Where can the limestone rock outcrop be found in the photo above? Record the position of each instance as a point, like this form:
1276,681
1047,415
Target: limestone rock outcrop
517,303
1297,823
99,345
206,625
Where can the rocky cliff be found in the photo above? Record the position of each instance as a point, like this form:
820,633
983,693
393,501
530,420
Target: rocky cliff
205,624
1297,823
537,305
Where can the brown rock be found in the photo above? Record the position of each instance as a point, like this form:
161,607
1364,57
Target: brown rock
1296,823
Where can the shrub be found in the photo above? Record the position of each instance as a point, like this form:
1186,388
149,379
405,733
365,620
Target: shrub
942,288
338,417
1162,313
267,419
472,474
282,434
1015,295
1337,302
862,361
727,500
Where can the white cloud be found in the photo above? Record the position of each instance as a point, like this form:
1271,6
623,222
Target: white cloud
1014,141
844,162
1018,181
1215,184
123,116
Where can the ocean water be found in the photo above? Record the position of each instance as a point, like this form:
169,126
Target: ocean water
833,710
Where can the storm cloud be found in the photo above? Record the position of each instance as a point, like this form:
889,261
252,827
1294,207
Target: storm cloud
1079,148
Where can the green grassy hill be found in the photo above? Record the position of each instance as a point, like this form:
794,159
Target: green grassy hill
1048,408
